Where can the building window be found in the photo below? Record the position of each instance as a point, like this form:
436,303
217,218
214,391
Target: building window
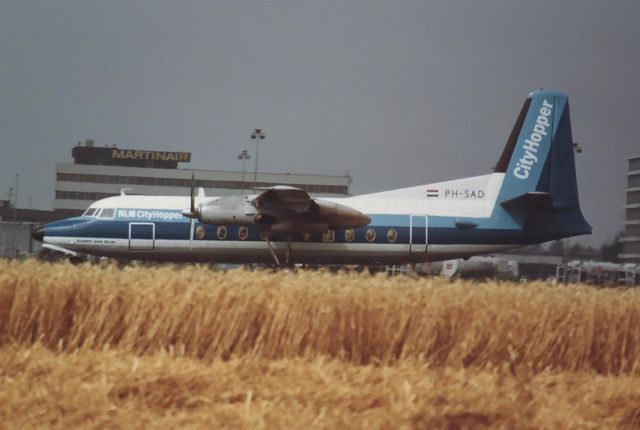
633,197
180,182
634,164
222,232
371,235
81,195
243,233
633,214
634,181
349,235
631,247
632,230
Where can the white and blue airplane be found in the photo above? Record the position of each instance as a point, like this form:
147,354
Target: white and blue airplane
531,197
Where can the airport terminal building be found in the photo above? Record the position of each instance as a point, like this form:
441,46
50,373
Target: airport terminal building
631,238
100,172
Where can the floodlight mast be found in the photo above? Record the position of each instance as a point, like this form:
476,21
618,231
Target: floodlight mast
244,156
256,135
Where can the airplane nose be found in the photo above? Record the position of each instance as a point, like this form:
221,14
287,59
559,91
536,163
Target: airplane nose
38,234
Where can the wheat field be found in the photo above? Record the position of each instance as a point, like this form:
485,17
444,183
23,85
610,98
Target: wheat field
162,347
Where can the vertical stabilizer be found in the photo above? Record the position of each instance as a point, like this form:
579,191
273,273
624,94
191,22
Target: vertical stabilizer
539,166
526,170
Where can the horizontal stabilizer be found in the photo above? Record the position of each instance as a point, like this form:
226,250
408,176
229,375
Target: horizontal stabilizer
532,200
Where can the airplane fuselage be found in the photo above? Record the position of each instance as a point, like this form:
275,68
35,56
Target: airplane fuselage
400,231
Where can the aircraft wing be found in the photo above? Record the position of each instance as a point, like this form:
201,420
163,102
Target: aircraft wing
281,209
290,209
284,197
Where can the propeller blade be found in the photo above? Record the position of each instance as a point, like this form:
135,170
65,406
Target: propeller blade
193,196
191,224
191,212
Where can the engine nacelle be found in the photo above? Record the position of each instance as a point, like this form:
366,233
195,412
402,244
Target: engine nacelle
214,214
341,216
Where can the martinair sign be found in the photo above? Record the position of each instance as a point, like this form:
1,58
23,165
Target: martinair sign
127,154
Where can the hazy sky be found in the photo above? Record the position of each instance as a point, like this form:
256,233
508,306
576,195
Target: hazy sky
399,93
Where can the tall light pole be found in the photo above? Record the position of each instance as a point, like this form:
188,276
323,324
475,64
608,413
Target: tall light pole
244,156
15,207
577,148
256,135
16,190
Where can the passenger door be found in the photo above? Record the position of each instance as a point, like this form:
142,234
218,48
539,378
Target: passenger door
418,236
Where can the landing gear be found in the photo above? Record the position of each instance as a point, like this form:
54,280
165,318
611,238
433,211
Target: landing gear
273,253
288,254
287,265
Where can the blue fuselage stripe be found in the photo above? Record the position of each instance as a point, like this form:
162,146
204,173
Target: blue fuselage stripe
441,230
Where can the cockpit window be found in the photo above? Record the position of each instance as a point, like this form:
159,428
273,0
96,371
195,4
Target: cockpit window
106,213
89,212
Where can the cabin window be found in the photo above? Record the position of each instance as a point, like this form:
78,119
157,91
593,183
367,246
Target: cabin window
349,235
371,235
243,233
107,213
200,232
392,235
329,236
222,232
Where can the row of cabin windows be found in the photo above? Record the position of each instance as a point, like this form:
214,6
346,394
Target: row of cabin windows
177,182
329,236
243,232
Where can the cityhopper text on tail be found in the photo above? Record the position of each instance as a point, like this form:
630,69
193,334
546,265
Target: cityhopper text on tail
531,197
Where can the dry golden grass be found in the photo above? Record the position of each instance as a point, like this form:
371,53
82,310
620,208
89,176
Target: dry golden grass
89,346
114,389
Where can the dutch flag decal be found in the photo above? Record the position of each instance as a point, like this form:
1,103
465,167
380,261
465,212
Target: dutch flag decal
432,192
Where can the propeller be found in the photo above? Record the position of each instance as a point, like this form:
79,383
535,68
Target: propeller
191,213
193,193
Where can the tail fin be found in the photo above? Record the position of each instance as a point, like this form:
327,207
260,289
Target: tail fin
538,164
